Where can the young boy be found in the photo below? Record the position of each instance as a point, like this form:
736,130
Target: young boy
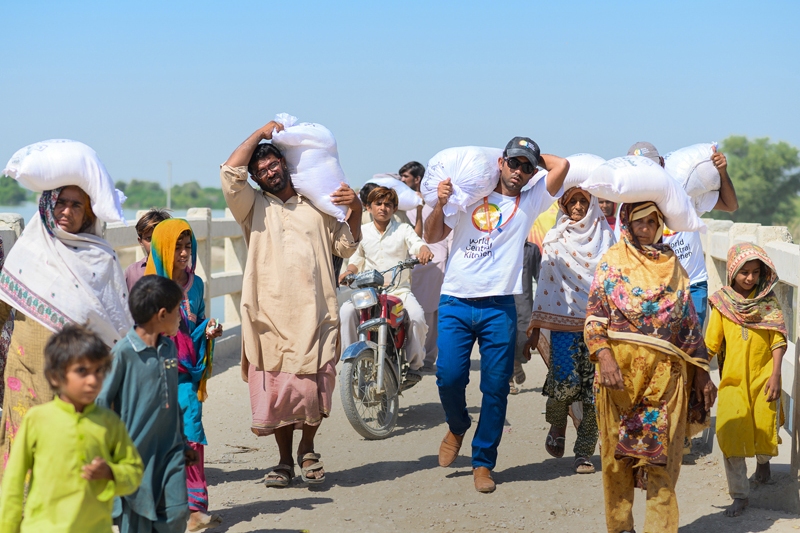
142,387
747,333
385,243
80,454
144,231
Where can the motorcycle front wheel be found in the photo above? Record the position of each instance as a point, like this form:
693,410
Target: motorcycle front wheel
372,414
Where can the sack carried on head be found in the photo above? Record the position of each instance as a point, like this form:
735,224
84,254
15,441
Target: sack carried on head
48,165
473,172
313,160
693,168
580,167
407,197
632,178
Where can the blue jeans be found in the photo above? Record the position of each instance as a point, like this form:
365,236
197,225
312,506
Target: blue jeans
492,322
699,294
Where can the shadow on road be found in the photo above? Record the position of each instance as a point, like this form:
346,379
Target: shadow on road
243,472
244,513
377,472
547,470
418,417
718,522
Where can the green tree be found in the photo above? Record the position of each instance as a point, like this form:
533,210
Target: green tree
192,195
11,192
766,177
143,194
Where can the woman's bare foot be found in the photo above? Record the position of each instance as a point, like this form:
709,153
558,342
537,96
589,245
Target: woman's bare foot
737,507
199,520
763,474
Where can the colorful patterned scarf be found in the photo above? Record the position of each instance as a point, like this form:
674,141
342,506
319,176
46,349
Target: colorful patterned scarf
640,294
761,312
195,351
571,252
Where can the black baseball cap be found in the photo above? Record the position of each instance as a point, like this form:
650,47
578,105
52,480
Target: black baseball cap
523,147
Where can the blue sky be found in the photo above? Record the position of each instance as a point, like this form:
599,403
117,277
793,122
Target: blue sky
148,82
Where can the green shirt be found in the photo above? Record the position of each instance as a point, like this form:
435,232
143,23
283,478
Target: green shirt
54,443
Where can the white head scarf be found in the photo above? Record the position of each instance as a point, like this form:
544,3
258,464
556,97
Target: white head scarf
571,252
58,278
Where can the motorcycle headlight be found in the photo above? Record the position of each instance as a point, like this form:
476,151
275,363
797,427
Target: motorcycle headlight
364,298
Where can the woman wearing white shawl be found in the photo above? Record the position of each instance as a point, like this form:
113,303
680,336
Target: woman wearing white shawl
571,251
58,272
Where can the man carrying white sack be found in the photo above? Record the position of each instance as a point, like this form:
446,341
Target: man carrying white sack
290,314
687,245
426,281
483,274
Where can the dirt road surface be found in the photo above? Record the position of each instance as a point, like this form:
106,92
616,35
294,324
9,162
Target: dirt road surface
396,485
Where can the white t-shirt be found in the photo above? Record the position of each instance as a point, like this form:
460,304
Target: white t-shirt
689,250
488,243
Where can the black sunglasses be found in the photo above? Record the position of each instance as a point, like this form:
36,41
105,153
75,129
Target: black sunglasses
514,163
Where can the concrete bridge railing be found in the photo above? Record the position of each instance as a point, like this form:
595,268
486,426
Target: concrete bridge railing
215,237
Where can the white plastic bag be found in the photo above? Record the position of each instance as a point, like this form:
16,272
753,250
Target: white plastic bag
634,178
313,160
693,168
407,197
581,167
48,165
473,172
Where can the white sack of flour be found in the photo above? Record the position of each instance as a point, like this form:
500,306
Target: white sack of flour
634,178
693,168
48,165
313,160
407,197
473,172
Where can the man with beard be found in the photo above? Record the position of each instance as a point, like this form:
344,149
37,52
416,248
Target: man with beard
290,320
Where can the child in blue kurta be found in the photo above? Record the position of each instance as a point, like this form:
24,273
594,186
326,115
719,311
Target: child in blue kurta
173,255
78,454
142,387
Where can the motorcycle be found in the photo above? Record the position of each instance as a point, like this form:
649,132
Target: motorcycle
374,367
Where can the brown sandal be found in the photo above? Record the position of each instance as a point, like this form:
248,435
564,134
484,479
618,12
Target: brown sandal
583,465
554,445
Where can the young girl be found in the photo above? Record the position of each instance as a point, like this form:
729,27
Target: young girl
173,254
747,333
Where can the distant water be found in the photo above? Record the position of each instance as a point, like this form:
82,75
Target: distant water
28,209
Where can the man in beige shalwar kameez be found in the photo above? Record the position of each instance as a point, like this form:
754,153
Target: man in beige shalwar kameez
290,315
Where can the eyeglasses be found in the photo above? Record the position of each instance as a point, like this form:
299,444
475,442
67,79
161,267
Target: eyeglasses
272,167
514,163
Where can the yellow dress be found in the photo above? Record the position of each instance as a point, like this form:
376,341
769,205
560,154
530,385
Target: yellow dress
746,423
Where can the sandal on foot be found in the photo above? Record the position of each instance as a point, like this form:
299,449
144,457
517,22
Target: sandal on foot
316,466
512,389
279,476
554,446
583,465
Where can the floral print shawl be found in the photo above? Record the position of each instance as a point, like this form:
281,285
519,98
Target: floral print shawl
761,312
640,294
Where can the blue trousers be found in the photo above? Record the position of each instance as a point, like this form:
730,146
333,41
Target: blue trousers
492,322
699,294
